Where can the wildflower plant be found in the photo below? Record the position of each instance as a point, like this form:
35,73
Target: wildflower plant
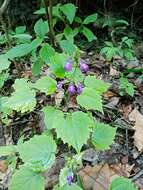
67,72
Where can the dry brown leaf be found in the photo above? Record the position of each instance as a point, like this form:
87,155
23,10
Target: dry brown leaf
3,166
59,97
98,177
126,110
136,116
109,94
113,72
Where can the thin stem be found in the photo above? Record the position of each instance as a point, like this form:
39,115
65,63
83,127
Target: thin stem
50,21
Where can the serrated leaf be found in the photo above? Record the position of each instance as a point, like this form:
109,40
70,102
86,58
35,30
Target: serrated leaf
45,52
90,99
69,11
103,136
41,28
74,130
99,85
8,150
46,84
24,179
51,116
90,19
38,152
23,98
4,63
121,183
88,34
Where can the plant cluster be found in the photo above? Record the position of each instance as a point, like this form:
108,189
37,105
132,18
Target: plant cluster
68,72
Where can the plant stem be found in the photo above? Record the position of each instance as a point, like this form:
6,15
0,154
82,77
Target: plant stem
50,21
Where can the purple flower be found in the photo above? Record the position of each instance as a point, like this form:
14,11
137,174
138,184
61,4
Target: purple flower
70,178
59,85
83,66
79,88
71,89
68,65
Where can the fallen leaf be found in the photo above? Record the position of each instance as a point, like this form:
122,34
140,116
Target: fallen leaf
136,116
109,94
113,72
3,166
98,177
126,110
59,97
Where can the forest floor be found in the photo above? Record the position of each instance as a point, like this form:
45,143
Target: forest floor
125,157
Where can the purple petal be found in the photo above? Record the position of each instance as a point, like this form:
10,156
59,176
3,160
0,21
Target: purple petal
71,89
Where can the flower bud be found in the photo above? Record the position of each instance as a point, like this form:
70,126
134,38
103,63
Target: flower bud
79,88
83,66
71,89
59,85
68,65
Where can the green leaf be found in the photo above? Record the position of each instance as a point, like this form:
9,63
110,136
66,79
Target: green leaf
63,176
40,11
45,52
69,11
103,136
24,179
8,150
67,46
3,78
88,34
41,28
38,152
74,130
35,43
90,99
51,116
20,29
76,76
73,186
22,38
122,183
90,19
99,85
121,22
36,68
4,63
23,98
57,63
69,33
126,87
19,51
46,84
